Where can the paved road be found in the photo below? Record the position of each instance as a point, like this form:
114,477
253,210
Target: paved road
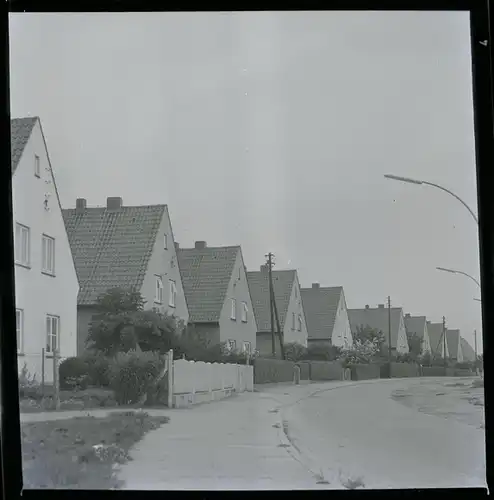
361,435
328,435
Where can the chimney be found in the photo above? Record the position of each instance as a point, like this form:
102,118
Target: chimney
315,286
114,203
407,315
367,306
381,306
200,245
428,322
80,204
177,246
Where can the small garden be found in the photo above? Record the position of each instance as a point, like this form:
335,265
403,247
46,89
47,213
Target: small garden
81,452
125,359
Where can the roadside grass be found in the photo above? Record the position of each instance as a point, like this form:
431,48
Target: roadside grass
90,398
478,383
81,452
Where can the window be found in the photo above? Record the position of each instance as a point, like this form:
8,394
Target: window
233,313
232,344
37,167
19,321
48,255
173,294
293,321
299,323
158,293
165,242
246,347
22,244
245,310
52,333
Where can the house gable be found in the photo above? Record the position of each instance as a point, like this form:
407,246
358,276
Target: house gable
36,206
163,266
342,334
238,289
295,327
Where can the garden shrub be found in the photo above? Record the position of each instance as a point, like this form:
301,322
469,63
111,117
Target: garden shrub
98,367
133,373
29,387
73,373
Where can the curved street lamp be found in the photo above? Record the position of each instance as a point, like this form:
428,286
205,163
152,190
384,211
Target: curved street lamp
454,271
416,181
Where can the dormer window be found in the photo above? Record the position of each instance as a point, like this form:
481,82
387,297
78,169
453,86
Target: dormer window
37,167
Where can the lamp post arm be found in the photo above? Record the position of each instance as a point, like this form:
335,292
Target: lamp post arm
468,276
454,195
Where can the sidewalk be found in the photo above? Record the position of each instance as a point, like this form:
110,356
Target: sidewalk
236,443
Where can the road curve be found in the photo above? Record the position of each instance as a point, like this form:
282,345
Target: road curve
358,436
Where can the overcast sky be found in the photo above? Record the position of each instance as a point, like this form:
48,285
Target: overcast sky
273,131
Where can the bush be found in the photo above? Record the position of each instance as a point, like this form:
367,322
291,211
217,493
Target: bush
90,369
295,351
322,352
98,367
133,373
73,373
29,387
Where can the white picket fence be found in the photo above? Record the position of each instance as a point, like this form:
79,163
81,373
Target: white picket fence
196,382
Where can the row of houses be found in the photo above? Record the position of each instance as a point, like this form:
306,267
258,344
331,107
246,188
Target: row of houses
65,258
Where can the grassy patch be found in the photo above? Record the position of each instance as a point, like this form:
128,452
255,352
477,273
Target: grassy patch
81,452
478,383
70,400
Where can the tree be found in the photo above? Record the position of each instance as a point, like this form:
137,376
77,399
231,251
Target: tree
121,324
322,352
365,334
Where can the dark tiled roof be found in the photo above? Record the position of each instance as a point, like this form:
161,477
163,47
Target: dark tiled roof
377,318
453,339
435,331
20,131
467,350
111,248
259,292
206,274
320,307
415,324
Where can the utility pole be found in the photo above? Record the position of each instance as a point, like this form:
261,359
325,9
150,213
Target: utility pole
475,341
444,343
278,326
389,330
271,306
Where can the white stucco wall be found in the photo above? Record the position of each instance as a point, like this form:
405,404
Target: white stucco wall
295,306
38,294
426,343
164,262
402,341
238,289
342,333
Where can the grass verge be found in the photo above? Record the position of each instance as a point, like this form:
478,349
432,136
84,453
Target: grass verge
82,452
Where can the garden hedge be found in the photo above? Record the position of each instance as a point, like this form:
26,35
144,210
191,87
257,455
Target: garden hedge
267,370
401,370
326,370
365,371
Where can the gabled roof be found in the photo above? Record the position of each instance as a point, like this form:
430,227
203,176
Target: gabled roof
111,247
20,131
320,307
453,340
378,319
259,292
415,324
467,350
435,331
206,274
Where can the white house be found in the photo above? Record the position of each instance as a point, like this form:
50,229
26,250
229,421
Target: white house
46,285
